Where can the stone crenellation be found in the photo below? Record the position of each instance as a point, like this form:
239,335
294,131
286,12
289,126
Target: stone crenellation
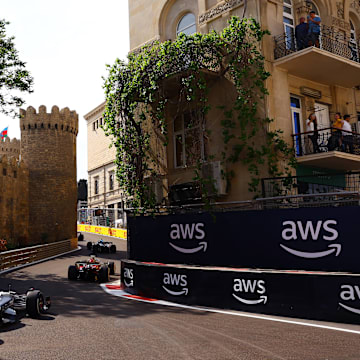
64,120
38,178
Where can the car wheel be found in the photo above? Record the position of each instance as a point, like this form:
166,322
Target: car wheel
113,249
104,274
34,303
89,245
112,268
72,272
95,248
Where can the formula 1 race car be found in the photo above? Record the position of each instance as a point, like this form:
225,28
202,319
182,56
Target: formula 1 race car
102,246
32,302
91,269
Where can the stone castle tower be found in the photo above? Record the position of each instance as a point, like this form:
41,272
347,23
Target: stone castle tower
48,150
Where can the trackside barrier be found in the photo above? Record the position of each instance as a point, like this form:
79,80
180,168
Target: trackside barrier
15,258
299,294
102,230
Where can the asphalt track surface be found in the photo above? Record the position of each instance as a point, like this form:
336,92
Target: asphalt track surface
86,323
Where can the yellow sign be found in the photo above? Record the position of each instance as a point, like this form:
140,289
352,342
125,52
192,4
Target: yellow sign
102,230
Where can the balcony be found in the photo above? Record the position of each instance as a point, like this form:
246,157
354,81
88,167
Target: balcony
335,62
328,148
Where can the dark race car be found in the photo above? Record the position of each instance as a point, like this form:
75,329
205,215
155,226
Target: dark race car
32,303
102,247
91,269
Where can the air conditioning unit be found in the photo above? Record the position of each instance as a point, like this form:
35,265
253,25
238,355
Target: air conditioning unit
215,172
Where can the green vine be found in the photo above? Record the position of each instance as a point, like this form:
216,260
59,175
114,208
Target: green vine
138,94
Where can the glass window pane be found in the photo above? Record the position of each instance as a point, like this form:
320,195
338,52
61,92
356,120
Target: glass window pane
288,21
287,10
192,146
287,2
190,30
295,102
179,151
187,24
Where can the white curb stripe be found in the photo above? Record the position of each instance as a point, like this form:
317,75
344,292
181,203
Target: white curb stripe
123,294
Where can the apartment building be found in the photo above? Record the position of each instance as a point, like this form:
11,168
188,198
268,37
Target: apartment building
320,78
103,189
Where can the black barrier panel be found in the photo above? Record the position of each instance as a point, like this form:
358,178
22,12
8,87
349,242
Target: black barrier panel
310,296
308,238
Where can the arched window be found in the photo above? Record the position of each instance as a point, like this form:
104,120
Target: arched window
288,20
353,43
186,25
312,7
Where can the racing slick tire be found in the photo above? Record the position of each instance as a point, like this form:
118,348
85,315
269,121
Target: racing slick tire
89,245
34,303
112,268
113,249
95,248
104,273
72,272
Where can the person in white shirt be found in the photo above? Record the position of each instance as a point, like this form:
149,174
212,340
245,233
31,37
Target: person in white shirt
311,128
347,134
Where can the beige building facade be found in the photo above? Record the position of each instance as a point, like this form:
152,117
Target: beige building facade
321,78
103,189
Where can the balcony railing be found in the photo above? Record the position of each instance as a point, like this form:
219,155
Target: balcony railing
324,140
336,184
331,40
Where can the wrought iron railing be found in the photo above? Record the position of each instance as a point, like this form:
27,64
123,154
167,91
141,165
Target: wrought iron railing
331,40
324,140
337,184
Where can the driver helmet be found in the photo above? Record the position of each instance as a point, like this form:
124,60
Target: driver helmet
92,259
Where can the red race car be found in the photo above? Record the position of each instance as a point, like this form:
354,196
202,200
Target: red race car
91,269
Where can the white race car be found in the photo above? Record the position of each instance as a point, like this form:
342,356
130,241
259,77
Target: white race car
32,303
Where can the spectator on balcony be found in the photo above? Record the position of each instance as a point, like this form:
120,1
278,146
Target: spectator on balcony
335,140
347,135
314,29
301,34
312,130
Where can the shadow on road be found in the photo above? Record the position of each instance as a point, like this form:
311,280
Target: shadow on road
80,298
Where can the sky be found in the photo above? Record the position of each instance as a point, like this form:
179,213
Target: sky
66,45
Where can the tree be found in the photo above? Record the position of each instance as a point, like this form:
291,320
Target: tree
14,77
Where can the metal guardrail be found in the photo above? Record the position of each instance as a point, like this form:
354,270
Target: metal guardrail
324,140
330,39
329,199
14,258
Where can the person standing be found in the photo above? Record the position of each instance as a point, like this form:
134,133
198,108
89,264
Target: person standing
347,134
301,34
311,128
314,29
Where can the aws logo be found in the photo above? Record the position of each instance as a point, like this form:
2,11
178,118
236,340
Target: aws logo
243,288
325,230
193,232
350,293
175,280
128,277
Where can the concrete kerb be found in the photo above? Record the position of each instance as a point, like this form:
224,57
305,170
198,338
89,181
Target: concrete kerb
37,262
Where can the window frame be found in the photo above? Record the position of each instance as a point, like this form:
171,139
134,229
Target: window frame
179,31
182,132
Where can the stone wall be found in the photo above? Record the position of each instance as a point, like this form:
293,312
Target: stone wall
14,202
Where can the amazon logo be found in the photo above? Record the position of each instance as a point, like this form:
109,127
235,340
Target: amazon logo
297,230
175,280
194,232
350,293
245,289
